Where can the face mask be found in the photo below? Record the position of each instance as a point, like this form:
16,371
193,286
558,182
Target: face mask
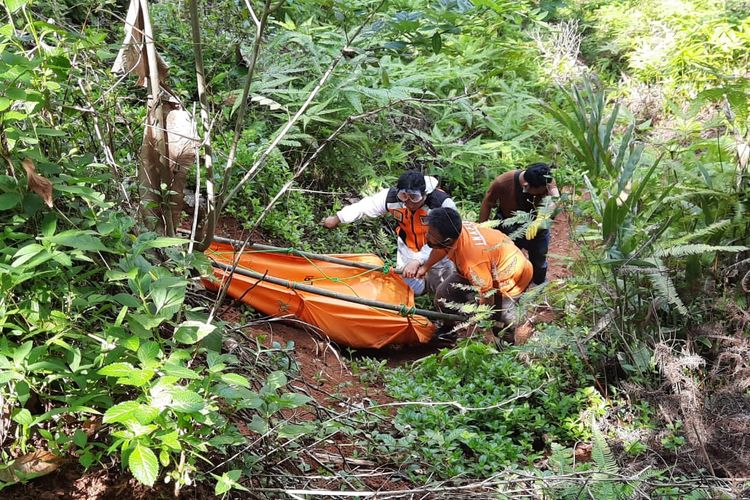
413,196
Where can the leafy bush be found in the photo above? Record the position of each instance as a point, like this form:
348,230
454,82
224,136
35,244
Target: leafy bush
477,410
684,45
105,352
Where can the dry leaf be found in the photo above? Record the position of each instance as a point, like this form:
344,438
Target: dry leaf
34,464
37,183
132,56
92,425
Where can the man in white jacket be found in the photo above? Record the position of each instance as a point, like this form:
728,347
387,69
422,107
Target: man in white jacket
409,203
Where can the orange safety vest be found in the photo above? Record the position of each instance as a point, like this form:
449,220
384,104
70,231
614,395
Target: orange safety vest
412,226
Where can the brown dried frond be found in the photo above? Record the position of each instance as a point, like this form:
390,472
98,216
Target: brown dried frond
37,183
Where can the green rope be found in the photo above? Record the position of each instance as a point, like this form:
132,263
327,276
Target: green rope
407,311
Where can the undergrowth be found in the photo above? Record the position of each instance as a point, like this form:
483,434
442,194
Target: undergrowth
477,409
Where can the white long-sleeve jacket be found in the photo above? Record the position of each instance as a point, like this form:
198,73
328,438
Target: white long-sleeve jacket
411,241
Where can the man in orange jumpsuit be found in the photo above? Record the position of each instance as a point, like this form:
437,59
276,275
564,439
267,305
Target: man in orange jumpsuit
486,260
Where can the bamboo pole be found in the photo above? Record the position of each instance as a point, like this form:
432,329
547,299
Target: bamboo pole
154,102
300,253
326,293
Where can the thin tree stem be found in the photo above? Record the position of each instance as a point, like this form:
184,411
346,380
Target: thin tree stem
200,76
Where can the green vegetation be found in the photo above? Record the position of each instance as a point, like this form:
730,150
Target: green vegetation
496,409
110,350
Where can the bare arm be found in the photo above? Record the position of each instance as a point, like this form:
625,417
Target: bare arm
436,255
489,202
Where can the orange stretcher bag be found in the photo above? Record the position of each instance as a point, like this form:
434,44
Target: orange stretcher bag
345,323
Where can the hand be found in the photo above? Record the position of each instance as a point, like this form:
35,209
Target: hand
410,269
421,272
331,222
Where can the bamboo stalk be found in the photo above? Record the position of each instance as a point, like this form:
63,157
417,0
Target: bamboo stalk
154,102
300,253
326,293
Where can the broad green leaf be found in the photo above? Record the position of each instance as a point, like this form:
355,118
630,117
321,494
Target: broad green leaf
175,370
80,438
185,400
609,220
289,431
14,5
223,484
82,240
117,370
15,93
227,481
19,355
149,352
292,400
126,299
62,410
137,429
131,343
30,249
121,412
258,425
437,43
276,380
171,440
190,332
235,379
6,376
49,225
161,242
137,378
115,275
144,465
51,132
9,200
168,295
146,414
23,417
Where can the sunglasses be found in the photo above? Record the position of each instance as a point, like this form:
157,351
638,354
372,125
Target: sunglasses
441,244
413,196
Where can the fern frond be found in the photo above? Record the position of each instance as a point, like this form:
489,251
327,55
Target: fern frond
712,230
561,459
697,249
490,223
601,454
665,288
523,219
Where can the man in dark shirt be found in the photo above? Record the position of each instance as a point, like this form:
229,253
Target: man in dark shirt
523,190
